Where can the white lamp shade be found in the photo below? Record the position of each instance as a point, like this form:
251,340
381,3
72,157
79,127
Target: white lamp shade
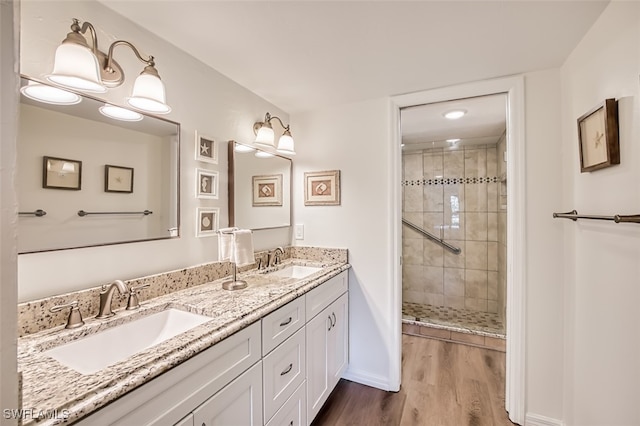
285,145
76,67
148,95
49,94
265,136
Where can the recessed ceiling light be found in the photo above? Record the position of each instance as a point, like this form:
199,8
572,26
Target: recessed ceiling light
455,114
453,140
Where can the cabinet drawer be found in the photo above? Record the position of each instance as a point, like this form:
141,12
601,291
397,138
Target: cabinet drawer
284,369
294,411
322,296
282,323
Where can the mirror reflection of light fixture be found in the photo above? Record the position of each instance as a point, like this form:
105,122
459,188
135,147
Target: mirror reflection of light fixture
243,148
119,113
84,67
455,114
265,135
264,154
49,94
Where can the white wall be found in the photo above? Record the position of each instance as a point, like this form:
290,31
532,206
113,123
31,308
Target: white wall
544,262
353,138
202,99
602,276
9,83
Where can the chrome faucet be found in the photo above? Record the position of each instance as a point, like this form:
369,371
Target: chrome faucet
106,296
273,258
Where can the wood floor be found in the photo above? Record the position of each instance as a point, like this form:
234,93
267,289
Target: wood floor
443,384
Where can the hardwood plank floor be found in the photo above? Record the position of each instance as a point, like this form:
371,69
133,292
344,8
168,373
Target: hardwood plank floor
443,384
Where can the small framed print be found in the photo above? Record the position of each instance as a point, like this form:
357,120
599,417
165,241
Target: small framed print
322,188
61,173
206,149
206,184
267,190
598,137
118,179
207,221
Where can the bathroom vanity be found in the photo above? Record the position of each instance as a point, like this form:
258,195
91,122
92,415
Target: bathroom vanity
269,355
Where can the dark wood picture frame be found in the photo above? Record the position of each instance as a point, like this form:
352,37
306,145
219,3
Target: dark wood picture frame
598,137
61,173
118,179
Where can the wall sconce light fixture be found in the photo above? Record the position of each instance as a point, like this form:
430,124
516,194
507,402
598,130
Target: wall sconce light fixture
265,136
80,66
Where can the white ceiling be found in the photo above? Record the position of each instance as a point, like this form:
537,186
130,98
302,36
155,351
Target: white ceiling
302,55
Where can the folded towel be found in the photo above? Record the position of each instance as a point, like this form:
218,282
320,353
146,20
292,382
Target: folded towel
242,253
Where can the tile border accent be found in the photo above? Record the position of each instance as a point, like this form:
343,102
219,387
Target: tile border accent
450,181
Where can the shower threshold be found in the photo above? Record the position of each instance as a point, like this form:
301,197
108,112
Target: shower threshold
453,319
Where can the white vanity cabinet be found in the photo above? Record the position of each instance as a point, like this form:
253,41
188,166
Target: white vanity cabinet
327,341
239,403
278,371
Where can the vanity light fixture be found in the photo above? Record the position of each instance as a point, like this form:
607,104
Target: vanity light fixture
119,113
265,136
455,114
84,67
48,94
243,148
264,154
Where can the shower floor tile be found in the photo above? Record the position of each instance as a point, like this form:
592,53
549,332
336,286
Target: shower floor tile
460,318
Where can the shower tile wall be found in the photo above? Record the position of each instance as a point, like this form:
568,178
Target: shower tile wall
453,194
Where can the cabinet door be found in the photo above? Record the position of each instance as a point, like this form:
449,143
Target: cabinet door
318,388
238,403
338,340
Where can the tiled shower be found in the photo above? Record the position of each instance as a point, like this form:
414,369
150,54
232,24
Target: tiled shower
457,194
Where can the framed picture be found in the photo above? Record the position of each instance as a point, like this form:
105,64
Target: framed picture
267,190
118,179
61,173
207,221
206,149
206,184
598,137
322,188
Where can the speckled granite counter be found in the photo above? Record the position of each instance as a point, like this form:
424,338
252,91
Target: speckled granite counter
48,386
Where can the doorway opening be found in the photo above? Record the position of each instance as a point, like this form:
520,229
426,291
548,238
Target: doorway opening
515,298
454,215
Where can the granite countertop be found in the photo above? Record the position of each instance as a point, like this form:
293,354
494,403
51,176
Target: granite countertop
50,387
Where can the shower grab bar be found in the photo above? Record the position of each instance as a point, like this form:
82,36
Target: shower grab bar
443,243
573,215
37,213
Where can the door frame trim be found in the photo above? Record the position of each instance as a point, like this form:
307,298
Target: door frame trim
513,87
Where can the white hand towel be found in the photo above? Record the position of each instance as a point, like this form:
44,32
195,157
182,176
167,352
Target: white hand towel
225,246
243,248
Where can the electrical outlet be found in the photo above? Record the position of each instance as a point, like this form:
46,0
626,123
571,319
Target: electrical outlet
299,231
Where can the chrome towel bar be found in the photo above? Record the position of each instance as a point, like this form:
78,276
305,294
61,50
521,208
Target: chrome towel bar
38,213
573,215
83,213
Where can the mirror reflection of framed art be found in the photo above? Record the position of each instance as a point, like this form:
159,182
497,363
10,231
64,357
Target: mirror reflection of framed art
598,137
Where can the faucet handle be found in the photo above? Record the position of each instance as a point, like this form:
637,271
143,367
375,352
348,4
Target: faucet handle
134,302
75,316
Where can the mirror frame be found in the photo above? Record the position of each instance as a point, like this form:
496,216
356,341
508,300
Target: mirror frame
231,183
177,171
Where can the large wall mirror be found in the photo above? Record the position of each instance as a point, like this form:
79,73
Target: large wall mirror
259,188
86,179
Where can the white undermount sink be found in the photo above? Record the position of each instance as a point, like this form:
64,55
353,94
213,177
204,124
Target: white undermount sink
295,271
97,351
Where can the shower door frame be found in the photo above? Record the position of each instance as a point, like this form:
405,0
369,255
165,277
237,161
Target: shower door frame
513,87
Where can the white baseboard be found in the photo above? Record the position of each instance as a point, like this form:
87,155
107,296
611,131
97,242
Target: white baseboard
366,378
538,420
